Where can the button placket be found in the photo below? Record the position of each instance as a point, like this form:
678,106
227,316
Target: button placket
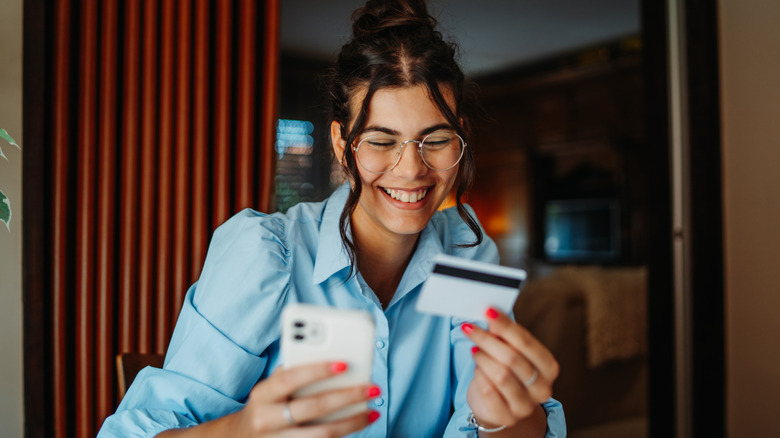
380,374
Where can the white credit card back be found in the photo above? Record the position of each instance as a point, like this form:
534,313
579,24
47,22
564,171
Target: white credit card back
465,288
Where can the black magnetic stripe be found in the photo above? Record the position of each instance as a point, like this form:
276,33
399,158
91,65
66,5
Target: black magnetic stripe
499,280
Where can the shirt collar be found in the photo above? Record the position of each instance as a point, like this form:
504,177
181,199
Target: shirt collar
422,261
331,254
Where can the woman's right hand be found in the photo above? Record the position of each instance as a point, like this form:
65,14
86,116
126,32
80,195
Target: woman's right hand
264,415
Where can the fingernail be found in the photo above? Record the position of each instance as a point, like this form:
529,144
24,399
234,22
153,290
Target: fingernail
474,350
491,313
338,367
372,416
373,391
467,328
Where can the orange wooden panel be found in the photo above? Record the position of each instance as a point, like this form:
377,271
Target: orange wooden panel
61,209
245,138
181,210
85,221
269,108
128,240
106,255
222,113
164,177
146,203
201,197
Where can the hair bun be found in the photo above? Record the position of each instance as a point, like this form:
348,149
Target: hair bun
381,15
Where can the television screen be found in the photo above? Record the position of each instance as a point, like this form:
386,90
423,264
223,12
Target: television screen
582,230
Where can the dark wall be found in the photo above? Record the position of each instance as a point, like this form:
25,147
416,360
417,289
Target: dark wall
571,127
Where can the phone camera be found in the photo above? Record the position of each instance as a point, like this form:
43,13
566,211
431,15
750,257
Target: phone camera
308,331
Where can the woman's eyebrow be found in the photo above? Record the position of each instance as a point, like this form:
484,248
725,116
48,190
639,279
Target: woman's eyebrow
424,132
435,128
381,129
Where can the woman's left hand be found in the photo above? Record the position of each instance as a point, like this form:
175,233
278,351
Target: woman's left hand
514,372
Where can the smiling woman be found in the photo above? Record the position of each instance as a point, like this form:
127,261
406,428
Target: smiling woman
367,247
386,208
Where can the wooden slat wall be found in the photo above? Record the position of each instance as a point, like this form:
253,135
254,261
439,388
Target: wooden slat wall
162,122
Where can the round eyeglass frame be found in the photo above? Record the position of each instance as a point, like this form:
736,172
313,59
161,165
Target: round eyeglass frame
419,144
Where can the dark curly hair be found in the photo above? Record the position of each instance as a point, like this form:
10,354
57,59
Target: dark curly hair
395,43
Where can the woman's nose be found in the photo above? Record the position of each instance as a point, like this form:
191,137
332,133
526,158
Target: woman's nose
411,164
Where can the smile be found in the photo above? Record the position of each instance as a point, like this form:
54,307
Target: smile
406,196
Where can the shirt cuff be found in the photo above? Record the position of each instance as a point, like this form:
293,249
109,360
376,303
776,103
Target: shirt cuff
556,422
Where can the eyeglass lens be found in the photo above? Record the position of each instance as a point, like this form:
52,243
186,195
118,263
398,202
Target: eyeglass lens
379,153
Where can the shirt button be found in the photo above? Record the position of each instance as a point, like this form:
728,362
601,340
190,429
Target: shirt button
379,401
380,344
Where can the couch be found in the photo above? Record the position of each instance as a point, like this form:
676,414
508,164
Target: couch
594,320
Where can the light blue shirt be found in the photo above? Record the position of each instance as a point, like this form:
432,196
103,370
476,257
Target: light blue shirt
227,336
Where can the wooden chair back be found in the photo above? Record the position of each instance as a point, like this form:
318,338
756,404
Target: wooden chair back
129,364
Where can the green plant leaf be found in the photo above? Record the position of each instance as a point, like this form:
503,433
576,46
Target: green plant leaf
5,210
5,204
4,135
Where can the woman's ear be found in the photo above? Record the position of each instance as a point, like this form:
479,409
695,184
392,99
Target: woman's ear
338,142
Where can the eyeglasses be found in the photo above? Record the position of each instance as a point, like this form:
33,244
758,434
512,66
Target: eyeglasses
380,153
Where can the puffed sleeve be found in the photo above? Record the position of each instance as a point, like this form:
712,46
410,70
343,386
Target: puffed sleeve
221,344
462,363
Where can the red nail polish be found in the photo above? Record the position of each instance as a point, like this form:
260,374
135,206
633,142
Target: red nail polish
373,391
372,416
467,328
338,367
491,313
474,350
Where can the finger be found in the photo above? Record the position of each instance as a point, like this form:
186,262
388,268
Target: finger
538,380
520,399
316,406
341,427
285,381
523,341
486,400
286,414
501,351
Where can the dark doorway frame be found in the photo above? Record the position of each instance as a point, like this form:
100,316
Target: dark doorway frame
35,183
705,409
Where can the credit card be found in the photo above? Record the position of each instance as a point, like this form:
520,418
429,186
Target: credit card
465,288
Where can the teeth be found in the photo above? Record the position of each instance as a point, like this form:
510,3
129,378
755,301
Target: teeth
405,196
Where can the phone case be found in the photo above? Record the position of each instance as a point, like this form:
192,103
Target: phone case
313,333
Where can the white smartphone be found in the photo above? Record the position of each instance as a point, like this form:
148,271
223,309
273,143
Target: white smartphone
312,333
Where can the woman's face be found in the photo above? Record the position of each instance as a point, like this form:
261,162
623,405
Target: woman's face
387,202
